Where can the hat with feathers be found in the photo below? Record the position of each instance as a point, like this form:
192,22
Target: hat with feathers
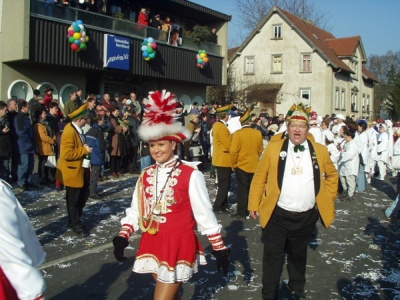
159,121
298,112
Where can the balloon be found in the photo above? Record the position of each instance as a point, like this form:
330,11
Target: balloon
77,42
77,35
150,40
77,28
70,28
200,61
74,47
145,54
205,59
83,46
87,39
203,55
150,50
83,40
79,22
144,48
152,55
199,65
145,41
147,58
81,27
71,32
72,39
155,46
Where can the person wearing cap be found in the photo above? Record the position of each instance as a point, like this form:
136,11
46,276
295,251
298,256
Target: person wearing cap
70,171
221,157
169,203
246,148
48,96
294,185
156,22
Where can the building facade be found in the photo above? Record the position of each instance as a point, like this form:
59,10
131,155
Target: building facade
35,51
286,60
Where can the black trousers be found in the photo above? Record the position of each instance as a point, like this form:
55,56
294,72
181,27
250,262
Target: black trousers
224,183
115,162
243,188
76,200
286,232
45,173
94,178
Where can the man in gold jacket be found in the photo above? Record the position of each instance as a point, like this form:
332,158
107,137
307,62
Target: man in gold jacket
295,183
221,158
70,171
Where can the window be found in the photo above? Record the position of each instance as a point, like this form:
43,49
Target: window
343,100
368,104
277,31
306,62
364,103
337,98
354,102
277,63
249,65
305,94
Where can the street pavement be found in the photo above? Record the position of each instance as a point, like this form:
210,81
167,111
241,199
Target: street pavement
357,258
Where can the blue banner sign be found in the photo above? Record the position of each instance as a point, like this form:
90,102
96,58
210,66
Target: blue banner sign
116,52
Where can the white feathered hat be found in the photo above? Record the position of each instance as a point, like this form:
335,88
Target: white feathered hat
159,119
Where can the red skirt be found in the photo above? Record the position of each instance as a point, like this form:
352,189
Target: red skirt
174,257
7,292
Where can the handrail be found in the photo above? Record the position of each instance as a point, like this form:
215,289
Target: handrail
59,13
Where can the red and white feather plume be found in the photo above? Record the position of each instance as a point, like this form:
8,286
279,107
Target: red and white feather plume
159,119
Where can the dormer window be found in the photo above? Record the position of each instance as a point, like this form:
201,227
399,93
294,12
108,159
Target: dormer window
277,34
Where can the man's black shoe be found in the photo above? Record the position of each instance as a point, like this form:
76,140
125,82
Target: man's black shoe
299,294
32,185
238,217
221,211
95,196
80,230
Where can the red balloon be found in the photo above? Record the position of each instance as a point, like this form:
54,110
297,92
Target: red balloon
74,47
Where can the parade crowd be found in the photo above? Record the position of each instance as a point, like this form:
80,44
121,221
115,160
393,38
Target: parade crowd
273,157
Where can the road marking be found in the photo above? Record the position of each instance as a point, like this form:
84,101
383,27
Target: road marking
81,254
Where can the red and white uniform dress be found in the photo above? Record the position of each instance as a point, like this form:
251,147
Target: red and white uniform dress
176,195
20,251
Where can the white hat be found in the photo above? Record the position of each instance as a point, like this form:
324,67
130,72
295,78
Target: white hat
128,102
341,117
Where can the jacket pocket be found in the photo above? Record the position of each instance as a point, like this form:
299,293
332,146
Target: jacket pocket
72,167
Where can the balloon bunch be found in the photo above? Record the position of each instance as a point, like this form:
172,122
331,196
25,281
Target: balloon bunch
77,36
202,59
149,47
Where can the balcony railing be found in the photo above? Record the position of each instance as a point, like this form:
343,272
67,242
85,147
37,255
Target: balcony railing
43,9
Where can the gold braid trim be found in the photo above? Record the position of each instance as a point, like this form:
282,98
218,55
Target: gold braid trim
141,200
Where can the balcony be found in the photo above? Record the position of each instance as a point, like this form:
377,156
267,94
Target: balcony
106,24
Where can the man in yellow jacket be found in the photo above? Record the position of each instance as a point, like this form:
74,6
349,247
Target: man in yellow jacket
246,148
295,183
70,171
221,158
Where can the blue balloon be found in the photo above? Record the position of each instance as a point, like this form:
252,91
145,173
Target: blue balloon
145,41
145,54
79,22
77,42
150,40
144,48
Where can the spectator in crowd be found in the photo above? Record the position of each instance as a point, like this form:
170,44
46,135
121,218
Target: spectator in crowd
143,17
107,129
71,105
25,146
107,103
45,141
137,105
214,36
195,109
95,139
246,148
48,96
362,141
145,158
79,96
91,108
36,105
294,185
5,150
204,137
118,142
12,108
156,22
133,142
166,24
35,94
70,171
382,150
20,251
174,38
221,158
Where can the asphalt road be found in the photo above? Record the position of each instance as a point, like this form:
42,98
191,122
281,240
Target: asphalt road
357,258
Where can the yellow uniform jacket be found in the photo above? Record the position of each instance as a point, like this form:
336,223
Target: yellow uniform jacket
267,182
222,144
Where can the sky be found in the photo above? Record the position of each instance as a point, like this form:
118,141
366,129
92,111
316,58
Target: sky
376,21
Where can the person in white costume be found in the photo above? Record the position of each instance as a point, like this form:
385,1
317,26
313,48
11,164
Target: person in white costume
382,150
20,251
332,149
372,145
362,140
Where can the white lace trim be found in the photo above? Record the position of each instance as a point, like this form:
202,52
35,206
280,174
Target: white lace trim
182,273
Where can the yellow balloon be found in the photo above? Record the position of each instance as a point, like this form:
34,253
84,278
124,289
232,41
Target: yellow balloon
87,38
77,35
147,58
203,55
